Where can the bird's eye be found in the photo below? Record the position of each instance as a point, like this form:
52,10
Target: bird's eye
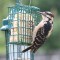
50,14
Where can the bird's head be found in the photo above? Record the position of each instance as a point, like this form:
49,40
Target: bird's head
47,15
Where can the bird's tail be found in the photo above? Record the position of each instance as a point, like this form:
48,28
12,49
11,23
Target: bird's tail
26,49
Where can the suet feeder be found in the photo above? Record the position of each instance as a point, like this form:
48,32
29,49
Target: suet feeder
18,27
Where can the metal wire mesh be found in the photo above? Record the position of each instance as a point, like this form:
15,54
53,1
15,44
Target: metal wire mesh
21,21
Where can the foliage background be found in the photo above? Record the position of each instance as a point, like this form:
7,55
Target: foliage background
53,43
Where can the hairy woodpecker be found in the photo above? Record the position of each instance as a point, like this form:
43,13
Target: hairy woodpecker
42,31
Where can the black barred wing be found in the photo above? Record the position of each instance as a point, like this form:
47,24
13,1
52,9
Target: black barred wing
39,40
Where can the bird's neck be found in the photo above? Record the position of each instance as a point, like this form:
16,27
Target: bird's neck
44,21
47,19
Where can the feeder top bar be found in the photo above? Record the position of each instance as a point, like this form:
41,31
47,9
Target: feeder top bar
25,7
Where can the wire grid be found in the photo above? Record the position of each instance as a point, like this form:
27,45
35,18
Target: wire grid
21,20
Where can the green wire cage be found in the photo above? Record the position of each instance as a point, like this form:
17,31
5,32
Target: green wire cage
18,27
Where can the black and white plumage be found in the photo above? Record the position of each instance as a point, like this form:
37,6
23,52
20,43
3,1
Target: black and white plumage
42,31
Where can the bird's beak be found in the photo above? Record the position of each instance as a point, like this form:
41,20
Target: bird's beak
43,13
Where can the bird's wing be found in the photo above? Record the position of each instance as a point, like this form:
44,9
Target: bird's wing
38,40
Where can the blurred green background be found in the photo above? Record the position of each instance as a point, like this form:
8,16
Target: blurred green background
53,43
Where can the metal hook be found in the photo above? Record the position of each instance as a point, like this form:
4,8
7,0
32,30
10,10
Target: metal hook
30,3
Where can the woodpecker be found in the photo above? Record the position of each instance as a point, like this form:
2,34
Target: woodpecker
41,32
